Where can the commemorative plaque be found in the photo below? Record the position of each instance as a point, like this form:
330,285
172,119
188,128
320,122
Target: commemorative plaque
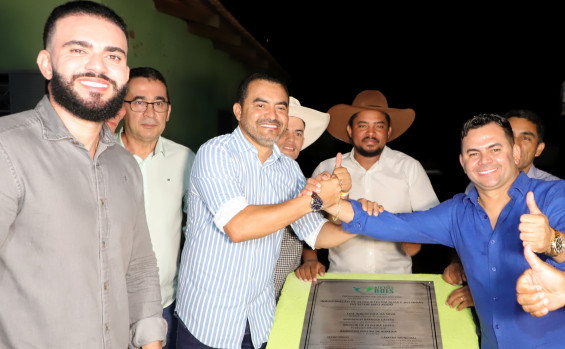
347,314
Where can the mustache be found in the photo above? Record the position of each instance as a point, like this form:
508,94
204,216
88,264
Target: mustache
370,138
270,121
99,76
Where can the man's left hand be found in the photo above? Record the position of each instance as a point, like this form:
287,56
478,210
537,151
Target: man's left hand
342,174
461,298
534,227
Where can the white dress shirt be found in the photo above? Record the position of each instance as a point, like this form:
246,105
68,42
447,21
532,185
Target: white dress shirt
399,183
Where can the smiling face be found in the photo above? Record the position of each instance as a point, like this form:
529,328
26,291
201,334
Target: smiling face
263,117
526,137
292,139
85,60
147,126
488,158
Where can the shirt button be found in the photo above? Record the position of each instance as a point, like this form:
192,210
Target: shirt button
106,327
485,217
103,244
496,326
102,202
358,225
105,286
495,298
493,268
492,242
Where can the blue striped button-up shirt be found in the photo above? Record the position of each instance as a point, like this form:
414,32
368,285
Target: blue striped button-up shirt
221,283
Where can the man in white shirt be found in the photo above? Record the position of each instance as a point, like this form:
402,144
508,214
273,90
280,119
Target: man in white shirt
395,180
165,166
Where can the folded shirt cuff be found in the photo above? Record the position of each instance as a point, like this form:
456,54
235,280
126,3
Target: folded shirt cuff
148,330
357,224
229,210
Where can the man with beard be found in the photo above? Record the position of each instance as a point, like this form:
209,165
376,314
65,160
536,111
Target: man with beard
393,179
77,269
243,193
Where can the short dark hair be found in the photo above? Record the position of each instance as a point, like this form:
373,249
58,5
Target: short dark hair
243,86
81,8
531,117
352,118
151,74
481,120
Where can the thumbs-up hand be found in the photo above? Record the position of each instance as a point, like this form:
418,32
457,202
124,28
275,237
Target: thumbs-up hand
534,227
342,175
541,288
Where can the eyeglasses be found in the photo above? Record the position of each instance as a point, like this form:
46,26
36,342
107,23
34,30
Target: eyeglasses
139,105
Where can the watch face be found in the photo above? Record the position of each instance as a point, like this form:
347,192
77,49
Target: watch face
316,203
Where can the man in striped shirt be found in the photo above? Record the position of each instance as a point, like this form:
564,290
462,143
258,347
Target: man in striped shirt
243,193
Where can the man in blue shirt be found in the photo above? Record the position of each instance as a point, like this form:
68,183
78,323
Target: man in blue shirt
243,193
489,228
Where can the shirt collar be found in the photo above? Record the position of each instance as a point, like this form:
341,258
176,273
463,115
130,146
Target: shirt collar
159,146
243,145
532,172
54,128
520,186
384,155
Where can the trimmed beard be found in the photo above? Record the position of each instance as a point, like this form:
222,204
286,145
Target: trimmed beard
96,110
366,153
252,131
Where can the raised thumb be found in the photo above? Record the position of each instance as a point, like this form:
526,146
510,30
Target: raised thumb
531,201
338,160
534,261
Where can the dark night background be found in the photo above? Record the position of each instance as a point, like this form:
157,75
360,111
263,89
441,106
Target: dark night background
446,62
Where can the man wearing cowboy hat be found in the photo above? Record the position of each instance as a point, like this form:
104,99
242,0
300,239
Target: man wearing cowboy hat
378,173
305,126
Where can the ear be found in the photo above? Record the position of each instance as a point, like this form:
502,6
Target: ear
539,149
44,64
169,113
516,153
348,128
389,131
461,162
237,110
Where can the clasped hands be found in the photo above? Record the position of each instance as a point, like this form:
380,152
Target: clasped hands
332,187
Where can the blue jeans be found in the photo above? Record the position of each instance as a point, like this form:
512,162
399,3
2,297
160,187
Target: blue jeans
185,339
171,317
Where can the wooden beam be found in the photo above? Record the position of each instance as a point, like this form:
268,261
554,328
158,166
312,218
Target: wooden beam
226,36
193,11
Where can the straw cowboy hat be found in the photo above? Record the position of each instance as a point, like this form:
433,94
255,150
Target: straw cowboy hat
315,122
400,119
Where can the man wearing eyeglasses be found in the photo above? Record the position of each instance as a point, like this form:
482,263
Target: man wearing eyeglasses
165,166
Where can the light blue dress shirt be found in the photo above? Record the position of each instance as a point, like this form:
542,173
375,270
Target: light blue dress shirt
223,284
